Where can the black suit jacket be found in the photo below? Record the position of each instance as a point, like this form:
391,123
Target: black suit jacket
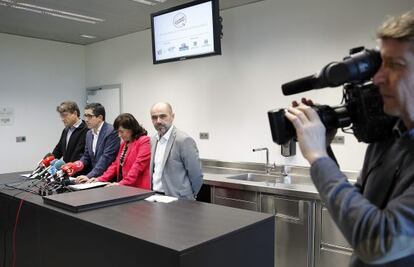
76,145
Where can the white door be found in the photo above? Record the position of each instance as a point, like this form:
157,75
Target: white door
109,96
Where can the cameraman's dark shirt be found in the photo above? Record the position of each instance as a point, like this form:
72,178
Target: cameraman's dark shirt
376,215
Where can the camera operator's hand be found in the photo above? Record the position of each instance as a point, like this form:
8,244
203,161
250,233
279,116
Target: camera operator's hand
330,134
310,131
305,101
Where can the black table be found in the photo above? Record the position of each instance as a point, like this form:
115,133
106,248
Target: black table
141,233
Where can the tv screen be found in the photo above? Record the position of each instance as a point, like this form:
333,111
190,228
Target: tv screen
186,31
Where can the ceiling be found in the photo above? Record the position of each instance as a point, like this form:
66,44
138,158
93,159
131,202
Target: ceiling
67,20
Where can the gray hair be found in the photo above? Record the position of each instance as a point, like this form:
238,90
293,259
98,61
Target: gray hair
400,28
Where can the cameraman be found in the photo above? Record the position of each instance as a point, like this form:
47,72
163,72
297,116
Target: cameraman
377,214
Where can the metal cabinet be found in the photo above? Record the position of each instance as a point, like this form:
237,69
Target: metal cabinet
305,234
294,229
331,247
235,198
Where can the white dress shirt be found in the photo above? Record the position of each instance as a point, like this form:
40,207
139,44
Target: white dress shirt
71,129
158,160
95,137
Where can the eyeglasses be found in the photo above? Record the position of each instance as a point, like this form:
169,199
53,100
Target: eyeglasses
89,116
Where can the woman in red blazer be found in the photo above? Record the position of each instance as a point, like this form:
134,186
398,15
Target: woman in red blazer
131,166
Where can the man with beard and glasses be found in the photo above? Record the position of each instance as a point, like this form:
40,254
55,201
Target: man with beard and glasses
376,215
175,163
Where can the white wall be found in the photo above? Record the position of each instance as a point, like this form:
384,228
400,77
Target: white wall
265,44
35,76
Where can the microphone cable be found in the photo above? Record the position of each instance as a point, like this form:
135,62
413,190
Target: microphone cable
22,189
15,229
4,185
4,250
16,186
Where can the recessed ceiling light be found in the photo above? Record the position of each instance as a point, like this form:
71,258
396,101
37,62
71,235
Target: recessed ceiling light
49,11
27,9
68,17
88,36
61,12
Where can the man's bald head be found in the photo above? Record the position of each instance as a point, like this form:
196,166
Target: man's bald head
162,117
163,105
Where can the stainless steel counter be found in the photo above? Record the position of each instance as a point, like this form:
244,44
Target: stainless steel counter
297,184
305,234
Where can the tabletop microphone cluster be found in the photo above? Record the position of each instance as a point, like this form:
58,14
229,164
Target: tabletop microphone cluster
43,166
55,174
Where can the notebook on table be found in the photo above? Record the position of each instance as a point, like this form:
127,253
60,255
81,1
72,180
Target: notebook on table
84,186
96,198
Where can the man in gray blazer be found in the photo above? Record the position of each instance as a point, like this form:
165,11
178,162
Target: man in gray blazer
102,143
175,164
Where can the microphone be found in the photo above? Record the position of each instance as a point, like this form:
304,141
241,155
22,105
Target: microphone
43,173
300,85
48,155
54,169
72,167
45,162
68,170
332,75
59,175
360,66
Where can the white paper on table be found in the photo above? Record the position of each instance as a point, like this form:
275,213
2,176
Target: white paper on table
87,185
161,198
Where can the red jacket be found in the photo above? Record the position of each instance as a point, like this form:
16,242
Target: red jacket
136,168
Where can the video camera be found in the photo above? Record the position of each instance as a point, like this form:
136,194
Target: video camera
361,112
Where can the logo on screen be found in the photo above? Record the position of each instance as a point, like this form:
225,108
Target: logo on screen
180,20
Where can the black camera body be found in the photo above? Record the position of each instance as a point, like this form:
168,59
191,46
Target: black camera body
362,111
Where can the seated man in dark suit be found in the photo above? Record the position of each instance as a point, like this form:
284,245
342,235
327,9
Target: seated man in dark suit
72,141
102,142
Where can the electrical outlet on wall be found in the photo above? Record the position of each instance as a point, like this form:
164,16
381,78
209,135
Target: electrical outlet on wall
204,135
20,139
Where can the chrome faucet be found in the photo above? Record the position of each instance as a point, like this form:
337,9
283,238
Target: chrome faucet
268,166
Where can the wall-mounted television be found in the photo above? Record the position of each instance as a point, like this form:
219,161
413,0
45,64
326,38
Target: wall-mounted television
187,31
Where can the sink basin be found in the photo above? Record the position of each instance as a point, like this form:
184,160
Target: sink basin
254,177
214,170
272,179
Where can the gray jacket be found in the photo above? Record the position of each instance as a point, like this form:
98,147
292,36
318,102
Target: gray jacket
377,215
181,176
